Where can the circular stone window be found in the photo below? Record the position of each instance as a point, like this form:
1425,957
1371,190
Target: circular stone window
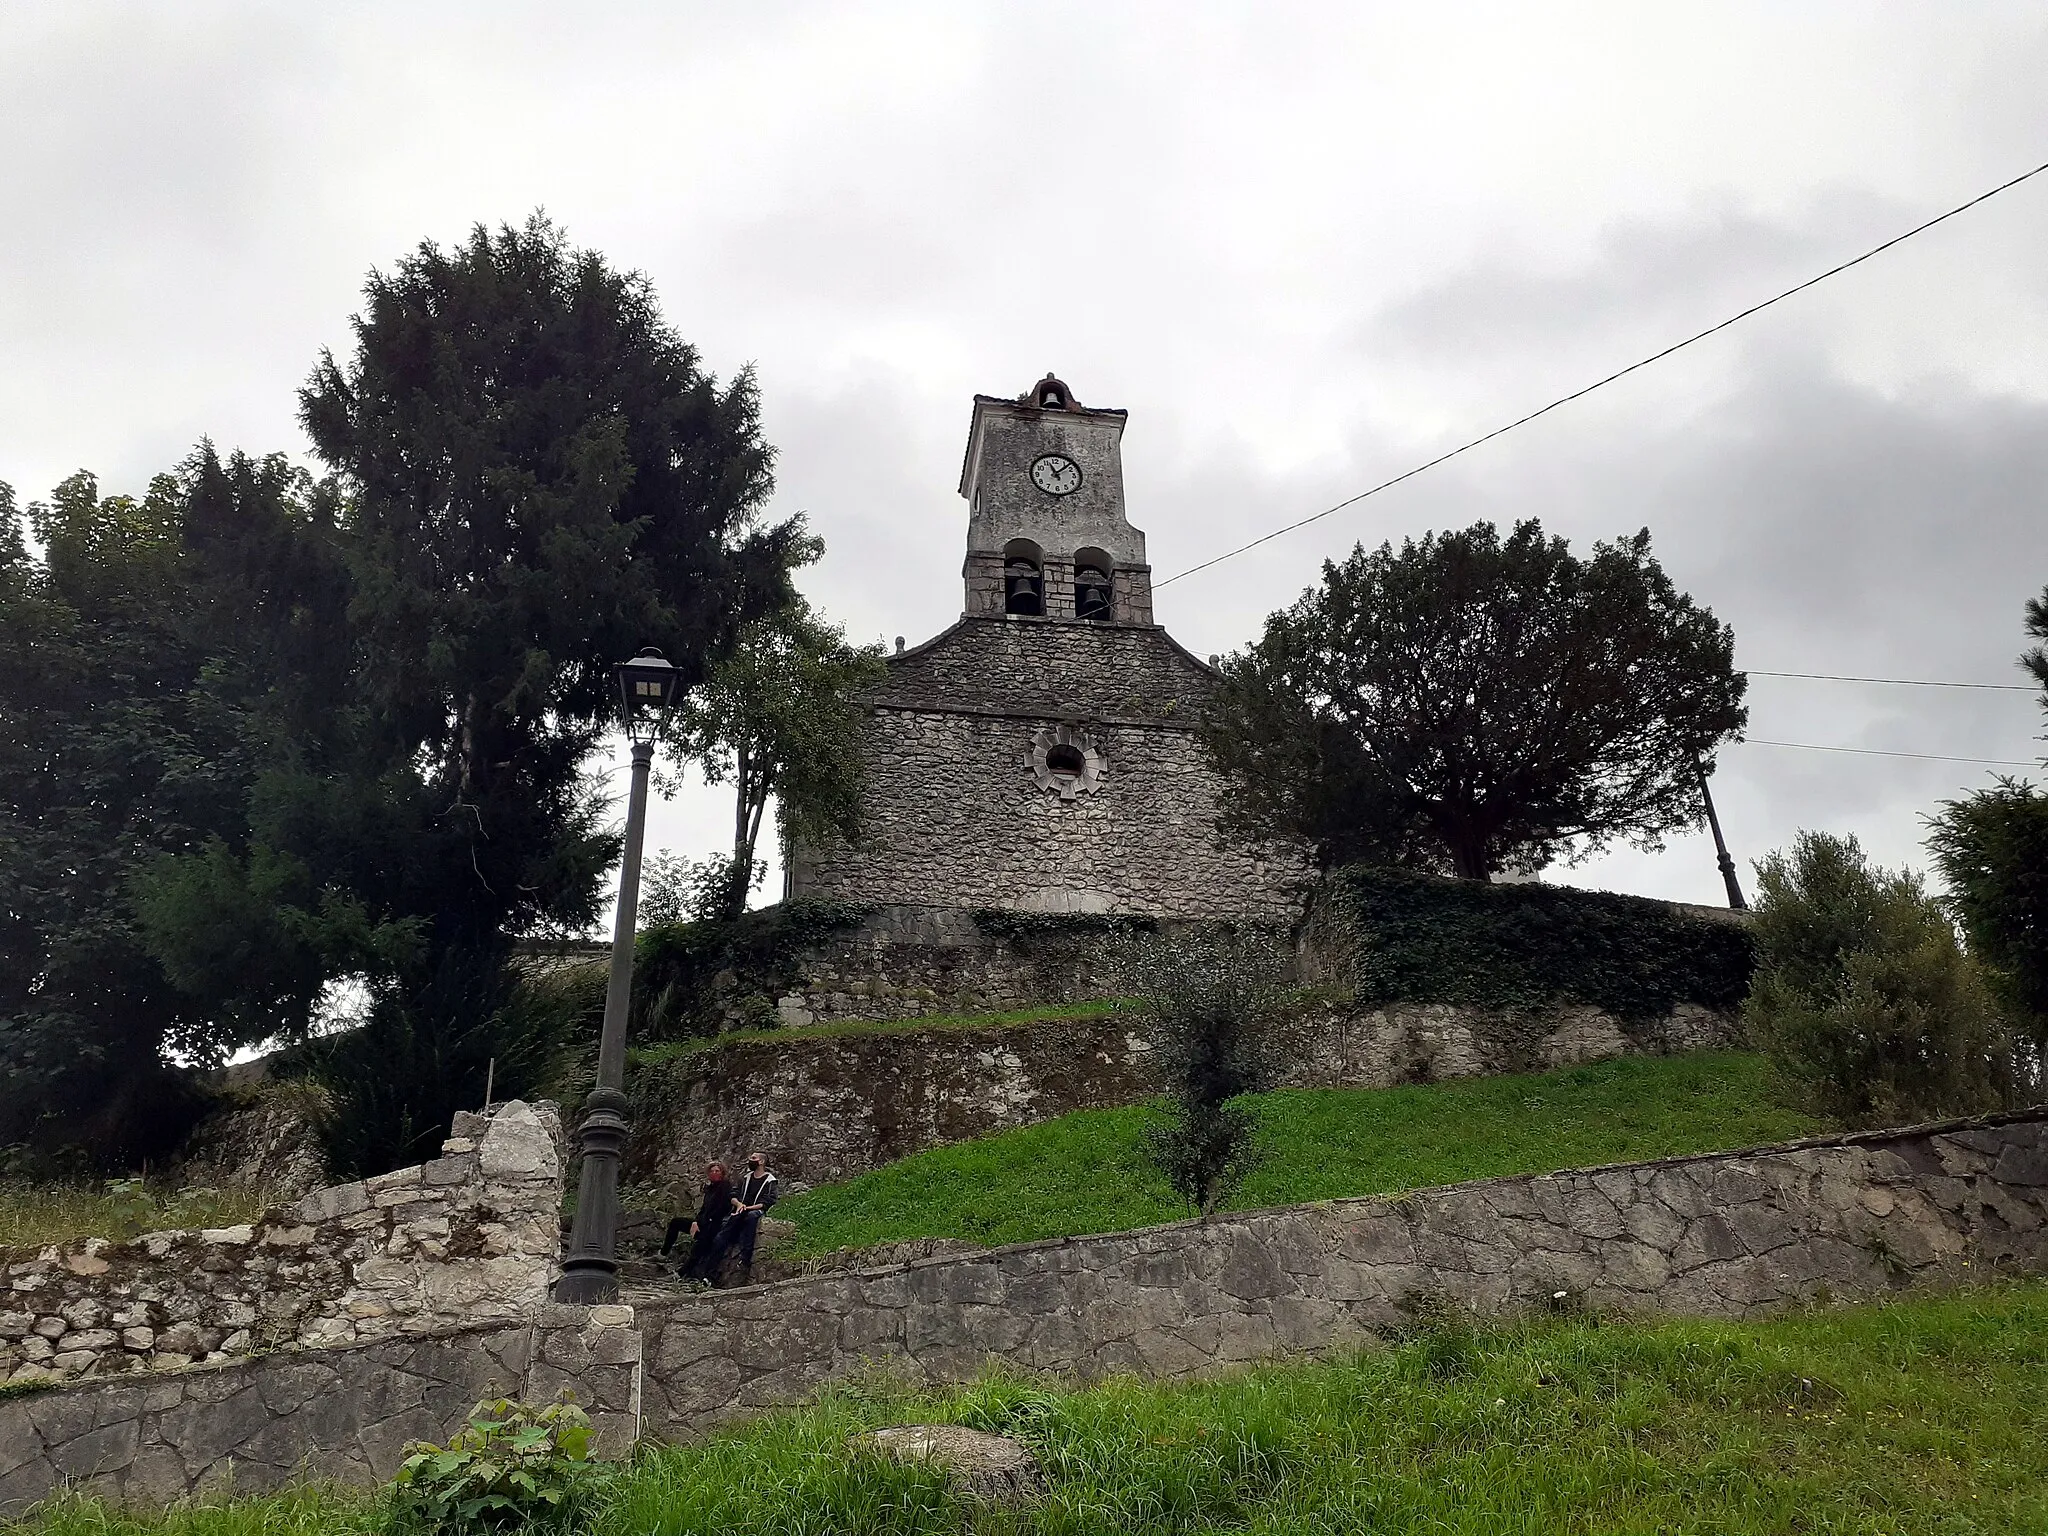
1065,761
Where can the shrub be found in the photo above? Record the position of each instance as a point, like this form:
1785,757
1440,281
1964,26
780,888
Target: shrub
1992,850
397,1080
1863,996
1215,996
512,1466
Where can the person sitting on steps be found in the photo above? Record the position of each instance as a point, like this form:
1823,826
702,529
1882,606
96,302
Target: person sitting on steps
713,1213
756,1193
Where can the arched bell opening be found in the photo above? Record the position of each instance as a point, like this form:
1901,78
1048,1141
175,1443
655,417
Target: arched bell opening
1023,578
1050,394
1092,591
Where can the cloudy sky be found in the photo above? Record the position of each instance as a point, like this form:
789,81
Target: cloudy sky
1305,246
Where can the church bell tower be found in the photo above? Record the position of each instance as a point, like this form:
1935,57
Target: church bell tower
1047,537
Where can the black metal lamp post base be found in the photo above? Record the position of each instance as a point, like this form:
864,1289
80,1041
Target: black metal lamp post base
590,1269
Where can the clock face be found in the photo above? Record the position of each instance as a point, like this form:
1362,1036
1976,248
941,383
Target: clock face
1055,474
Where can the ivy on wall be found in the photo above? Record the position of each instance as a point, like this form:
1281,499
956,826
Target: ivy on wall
1422,938
707,977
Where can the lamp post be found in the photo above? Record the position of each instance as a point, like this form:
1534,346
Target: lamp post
590,1271
1720,845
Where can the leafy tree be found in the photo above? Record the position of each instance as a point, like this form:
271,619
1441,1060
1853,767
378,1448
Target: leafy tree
538,479
1992,850
1215,998
1470,705
129,653
1864,997
781,717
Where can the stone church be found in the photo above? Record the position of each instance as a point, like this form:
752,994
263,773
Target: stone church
1041,754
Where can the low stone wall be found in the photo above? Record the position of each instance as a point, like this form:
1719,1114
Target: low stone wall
1725,1235
828,1106
902,962
1718,1235
344,1414
472,1236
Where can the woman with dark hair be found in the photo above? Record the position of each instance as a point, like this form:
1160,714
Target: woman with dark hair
711,1217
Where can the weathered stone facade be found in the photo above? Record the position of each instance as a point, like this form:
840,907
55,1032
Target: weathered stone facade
828,1106
472,1236
956,812
1041,755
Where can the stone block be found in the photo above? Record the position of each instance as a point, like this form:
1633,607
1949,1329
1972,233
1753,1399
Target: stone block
1251,1269
96,1453
517,1145
445,1171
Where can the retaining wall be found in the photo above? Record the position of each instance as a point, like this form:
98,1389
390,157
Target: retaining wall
828,1106
1726,1235
471,1237
343,1414
1718,1235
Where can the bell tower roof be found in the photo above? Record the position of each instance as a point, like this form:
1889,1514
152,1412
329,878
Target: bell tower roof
1044,481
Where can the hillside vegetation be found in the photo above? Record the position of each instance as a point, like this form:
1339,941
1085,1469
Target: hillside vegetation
1087,1172
1919,1417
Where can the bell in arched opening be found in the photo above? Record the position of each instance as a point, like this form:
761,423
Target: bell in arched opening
1091,594
1023,587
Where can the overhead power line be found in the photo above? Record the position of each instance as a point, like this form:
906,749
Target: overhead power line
1903,682
1930,757
1619,373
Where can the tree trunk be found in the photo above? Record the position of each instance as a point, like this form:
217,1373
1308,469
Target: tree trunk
1469,859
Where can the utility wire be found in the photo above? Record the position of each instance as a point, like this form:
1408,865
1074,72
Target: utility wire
1931,757
1620,373
1903,682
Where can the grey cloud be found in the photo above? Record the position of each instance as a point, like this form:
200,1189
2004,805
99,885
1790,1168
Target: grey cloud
1680,273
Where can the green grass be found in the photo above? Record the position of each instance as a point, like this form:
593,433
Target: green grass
1087,1172
1924,1417
678,1050
32,1215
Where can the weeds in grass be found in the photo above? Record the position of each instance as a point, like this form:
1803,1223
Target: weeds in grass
33,1215
1924,1416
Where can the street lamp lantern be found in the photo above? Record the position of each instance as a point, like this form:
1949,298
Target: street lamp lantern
647,685
590,1269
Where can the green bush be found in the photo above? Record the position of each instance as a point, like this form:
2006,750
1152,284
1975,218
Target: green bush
1214,999
1863,996
1992,850
513,1466
1422,938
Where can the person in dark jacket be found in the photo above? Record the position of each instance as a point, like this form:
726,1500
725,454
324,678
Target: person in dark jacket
706,1227
755,1193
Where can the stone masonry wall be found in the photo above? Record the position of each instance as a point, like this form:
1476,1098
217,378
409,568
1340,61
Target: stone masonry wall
1033,666
343,1414
904,961
827,1106
1719,1235
470,1237
1724,1235
953,815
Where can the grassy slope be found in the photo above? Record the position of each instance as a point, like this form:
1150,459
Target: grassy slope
1921,1417
1086,1172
